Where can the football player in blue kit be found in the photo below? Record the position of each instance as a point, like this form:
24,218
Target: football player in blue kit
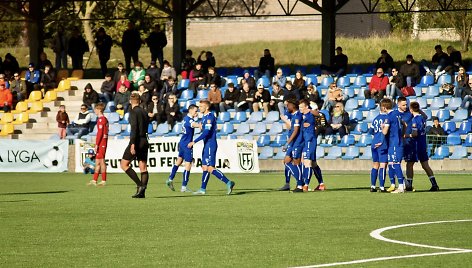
185,153
379,149
309,142
210,146
420,146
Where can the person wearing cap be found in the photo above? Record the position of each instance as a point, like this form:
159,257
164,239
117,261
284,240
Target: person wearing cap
266,66
89,162
81,124
90,97
48,79
230,99
339,66
249,80
385,61
76,49
156,42
136,76
6,98
18,88
32,78
410,71
103,43
153,71
130,44
261,100
214,97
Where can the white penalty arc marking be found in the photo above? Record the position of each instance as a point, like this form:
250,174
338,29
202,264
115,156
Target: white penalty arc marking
377,235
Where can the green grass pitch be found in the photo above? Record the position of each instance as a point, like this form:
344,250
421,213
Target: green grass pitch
54,220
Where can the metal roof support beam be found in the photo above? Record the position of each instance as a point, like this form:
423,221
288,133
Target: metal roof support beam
179,29
36,30
328,31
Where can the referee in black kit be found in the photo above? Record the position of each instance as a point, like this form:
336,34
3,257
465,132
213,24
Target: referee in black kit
138,146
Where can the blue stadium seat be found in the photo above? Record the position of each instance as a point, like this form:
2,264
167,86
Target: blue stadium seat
437,103
418,91
357,70
187,104
460,115
247,137
114,129
351,153
371,116
162,129
347,141
110,107
355,114
319,152
232,137
183,84
468,140
226,129
124,121
186,95
443,115
440,153
364,140
432,92
360,81
443,79
422,102
264,80
326,82
243,128
361,128
351,105
343,82
454,104
426,80
465,128
279,155
334,153
458,153
263,140
449,127
126,132
326,114
367,154
428,113
255,117
202,94
239,117
232,79
453,139
223,117
279,141
259,129
113,118
276,128
350,92
311,79
272,116
266,153
367,105
176,130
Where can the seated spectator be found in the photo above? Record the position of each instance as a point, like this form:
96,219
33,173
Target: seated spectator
247,78
32,78
462,80
299,83
48,79
155,110
43,61
18,88
333,96
321,126
153,71
280,78
5,81
455,58
209,60
107,89
89,162
119,73
246,98
172,111
188,63
385,61
410,71
150,84
277,99
6,98
167,71
440,63
81,124
261,100
467,98
394,88
136,76
438,132
123,81
377,86
169,87
144,95
230,101
214,97
290,92
90,97
10,65
338,122
313,96
197,78
213,78
339,66
266,66
122,98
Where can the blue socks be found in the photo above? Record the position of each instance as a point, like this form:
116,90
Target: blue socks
307,173
220,175
205,178
172,173
287,174
186,176
398,172
373,176
296,172
318,175
391,174
382,177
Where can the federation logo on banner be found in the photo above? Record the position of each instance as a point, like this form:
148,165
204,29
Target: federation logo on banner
245,155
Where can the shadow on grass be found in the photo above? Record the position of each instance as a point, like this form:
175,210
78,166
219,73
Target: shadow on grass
32,193
14,201
445,190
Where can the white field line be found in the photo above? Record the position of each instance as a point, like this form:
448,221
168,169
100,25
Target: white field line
377,235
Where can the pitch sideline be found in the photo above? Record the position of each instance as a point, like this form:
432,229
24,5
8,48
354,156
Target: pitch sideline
377,235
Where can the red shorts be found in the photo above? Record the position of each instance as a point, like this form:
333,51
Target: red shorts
101,151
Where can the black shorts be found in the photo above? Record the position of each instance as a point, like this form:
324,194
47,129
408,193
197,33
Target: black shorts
141,151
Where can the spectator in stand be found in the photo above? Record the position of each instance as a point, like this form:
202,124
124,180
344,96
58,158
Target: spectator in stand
118,73
209,60
438,134
385,61
77,48
32,78
81,124
410,71
43,61
107,89
10,65
188,64
246,98
6,98
462,80
338,122
290,92
339,67
156,42
440,63
172,111
145,96
393,89
212,77
130,44
313,96
170,87
90,97
455,59
62,119
214,97
333,96
4,80
266,66
167,71
155,110
277,99
230,101
467,97
48,79
103,43
197,78
247,78
377,86
18,88
136,76
123,81
261,100
150,84
280,78
299,83
122,98
59,46
321,126
154,72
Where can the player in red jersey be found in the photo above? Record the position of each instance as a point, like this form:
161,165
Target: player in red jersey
101,142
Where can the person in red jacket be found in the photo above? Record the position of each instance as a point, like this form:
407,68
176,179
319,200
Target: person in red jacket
6,98
377,86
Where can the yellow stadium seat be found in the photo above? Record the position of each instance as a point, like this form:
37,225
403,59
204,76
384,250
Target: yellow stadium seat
76,75
36,107
21,106
62,74
50,95
35,95
7,118
22,118
7,129
63,85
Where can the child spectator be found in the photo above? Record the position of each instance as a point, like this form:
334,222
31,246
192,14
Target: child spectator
89,162
62,119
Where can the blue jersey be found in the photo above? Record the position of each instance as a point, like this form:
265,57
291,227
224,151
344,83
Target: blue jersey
187,131
419,124
407,117
308,127
295,121
395,131
209,129
376,128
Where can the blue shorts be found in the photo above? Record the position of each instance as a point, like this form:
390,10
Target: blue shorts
185,153
409,150
294,151
395,154
380,154
309,150
209,155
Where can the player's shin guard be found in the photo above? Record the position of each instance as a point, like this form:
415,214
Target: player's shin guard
95,176
205,178
186,176
373,176
318,175
172,173
220,175
398,173
295,171
382,177
104,175
432,179
144,178
132,174
391,174
287,174
307,173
